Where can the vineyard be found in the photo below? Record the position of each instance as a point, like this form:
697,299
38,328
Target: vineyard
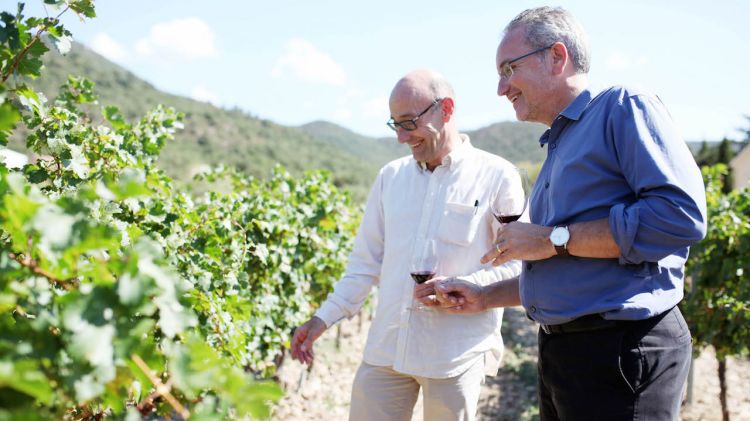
121,296
124,297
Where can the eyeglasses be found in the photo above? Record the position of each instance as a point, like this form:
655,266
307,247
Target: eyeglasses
506,69
411,124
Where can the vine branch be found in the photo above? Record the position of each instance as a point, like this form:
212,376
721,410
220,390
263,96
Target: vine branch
27,262
33,41
162,389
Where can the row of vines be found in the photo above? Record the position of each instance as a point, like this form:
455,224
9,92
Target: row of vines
122,296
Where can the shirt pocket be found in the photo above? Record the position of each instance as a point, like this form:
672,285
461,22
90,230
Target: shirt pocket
459,223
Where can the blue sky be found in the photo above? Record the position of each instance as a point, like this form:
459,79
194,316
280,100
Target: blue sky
298,61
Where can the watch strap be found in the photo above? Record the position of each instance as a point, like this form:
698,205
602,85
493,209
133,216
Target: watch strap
562,250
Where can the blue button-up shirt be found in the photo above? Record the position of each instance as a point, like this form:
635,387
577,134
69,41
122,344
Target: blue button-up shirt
618,156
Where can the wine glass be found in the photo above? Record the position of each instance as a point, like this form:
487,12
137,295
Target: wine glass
512,197
423,267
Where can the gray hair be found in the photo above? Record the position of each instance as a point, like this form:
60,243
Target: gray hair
439,87
543,26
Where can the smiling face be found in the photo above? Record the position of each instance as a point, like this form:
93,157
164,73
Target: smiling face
530,87
428,141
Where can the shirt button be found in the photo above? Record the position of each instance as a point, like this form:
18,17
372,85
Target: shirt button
546,185
528,266
552,145
532,309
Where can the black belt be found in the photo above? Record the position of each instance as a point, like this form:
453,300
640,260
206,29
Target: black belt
588,323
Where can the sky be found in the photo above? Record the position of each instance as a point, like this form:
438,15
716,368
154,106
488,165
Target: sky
294,62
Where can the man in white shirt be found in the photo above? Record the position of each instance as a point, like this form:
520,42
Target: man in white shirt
439,194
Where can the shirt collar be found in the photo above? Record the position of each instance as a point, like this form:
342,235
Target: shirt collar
576,108
573,111
455,157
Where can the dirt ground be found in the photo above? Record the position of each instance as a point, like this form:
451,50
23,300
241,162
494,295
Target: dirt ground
323,392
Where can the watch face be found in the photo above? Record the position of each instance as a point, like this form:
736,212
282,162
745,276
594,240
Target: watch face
559,236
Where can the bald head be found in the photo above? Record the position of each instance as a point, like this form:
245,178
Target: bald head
421,85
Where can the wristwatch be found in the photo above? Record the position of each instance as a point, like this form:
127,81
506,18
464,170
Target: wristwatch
559,238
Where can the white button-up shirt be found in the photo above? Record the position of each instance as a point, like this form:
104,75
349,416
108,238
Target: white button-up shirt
407,206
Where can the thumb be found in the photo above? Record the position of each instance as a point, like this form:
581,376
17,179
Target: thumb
299,335
448,286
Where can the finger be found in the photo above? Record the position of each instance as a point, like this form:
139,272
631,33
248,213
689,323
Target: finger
494,253
454,310
421,287
296,341
306,345
308,357
449,291
499,260
418,294
447,299
429,301
436,279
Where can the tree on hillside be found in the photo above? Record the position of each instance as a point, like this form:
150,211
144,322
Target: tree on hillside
725,155
706,155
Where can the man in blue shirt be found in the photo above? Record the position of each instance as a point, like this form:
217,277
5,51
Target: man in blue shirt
615,207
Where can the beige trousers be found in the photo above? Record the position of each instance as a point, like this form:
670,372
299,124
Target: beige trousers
381,394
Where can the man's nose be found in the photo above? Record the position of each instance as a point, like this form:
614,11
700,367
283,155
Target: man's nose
402,135
503,87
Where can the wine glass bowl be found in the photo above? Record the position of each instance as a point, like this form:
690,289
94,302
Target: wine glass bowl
423,267
512,197
424,264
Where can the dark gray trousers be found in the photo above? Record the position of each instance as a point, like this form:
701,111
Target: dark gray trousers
635,370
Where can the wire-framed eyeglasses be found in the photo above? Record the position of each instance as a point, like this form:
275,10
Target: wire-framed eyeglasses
506,69
410,124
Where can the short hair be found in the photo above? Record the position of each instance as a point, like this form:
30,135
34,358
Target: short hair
439,87
543,26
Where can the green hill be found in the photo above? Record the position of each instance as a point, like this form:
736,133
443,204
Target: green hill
375,150
514,141
213,135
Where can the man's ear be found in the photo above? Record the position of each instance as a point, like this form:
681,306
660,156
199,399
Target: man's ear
560,57
446,107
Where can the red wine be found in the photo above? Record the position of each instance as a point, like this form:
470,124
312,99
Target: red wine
422,277
504,219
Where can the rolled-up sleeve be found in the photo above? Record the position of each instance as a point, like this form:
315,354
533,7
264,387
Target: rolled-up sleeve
669,211
484,277
364,264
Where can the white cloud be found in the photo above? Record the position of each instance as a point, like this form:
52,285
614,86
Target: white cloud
181,39
108,47
201,93
621,61
306,62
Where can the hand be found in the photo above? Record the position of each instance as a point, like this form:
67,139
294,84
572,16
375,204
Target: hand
304,336
520,240
461,297
425,292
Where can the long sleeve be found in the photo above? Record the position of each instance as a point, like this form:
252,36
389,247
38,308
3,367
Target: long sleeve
364,265
669,212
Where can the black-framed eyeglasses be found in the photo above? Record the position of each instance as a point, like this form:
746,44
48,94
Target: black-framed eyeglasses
506,69
410,124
